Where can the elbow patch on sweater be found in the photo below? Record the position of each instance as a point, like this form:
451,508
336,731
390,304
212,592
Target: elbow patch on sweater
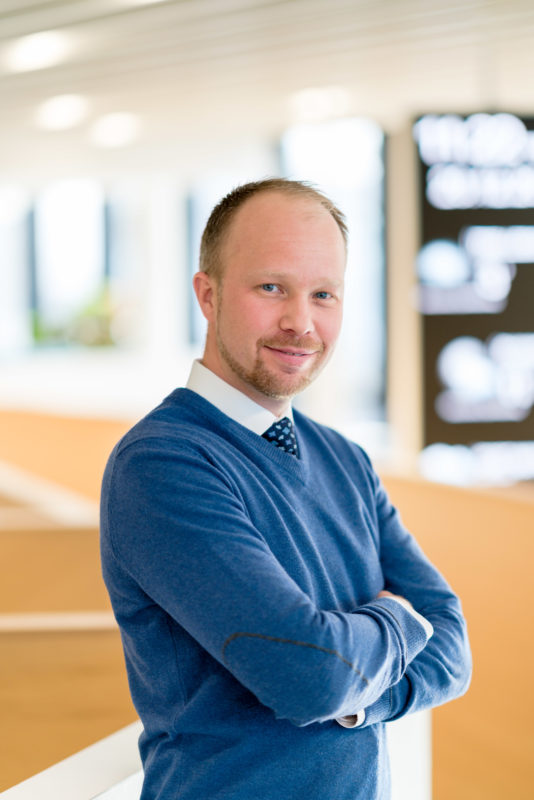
280,640
299,681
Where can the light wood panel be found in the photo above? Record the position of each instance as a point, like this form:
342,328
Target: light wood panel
7,502
483,746
63,681
68,450
109,768
60,690
51,569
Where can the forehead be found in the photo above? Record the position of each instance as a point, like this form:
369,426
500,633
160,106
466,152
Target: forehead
275,220
272,207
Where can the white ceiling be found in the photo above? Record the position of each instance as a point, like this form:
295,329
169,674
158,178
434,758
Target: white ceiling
196,70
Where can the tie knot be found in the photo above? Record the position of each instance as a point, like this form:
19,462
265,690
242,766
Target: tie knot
282,435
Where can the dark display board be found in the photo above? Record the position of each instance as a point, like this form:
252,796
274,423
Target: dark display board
475,272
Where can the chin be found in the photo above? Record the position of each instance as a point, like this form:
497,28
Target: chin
277,389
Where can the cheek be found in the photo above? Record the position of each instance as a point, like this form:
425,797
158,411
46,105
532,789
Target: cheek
256,319
244,323
330,328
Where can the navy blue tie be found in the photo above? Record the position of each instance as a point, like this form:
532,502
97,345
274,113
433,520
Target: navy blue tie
281,434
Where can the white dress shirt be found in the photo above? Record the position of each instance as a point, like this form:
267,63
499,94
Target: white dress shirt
231,401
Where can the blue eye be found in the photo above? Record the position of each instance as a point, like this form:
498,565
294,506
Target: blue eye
323,295
268,287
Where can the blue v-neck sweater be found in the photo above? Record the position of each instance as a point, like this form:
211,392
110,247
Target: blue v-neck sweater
244,583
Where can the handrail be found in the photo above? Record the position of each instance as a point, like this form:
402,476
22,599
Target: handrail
108,770
53,621
56,503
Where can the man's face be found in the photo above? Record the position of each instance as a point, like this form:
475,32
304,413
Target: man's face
278,308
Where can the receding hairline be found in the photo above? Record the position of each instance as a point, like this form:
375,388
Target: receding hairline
222,217
315,207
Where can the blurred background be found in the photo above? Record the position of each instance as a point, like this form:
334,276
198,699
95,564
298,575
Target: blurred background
122,123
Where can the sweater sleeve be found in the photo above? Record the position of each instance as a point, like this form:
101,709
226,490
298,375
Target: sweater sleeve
442,670
182,532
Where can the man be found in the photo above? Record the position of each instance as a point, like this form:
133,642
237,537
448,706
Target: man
274,612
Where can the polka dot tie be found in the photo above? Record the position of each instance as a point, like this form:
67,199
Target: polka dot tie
281,434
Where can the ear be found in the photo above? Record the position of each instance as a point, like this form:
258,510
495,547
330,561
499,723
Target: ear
206,291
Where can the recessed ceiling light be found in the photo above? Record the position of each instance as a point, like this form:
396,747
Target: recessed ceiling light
38,51
318,104
61,112
115,130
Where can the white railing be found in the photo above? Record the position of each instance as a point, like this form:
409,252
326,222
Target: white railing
109,769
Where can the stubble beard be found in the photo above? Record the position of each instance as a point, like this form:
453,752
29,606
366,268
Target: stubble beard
260,378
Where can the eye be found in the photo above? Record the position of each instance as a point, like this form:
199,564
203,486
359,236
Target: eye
323,295
269,287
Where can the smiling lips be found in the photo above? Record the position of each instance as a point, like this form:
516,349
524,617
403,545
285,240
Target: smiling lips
293,357
298,353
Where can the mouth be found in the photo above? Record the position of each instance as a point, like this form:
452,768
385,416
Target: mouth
298,353
290,356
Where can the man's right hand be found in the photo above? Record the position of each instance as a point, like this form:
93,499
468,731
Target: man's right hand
408,606
397,597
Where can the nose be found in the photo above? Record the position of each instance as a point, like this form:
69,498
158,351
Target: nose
297,316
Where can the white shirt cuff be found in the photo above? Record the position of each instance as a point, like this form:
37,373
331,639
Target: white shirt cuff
352,720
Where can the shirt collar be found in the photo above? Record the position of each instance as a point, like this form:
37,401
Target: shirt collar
231,401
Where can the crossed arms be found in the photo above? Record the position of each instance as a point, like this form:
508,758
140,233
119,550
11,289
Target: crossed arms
202,561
